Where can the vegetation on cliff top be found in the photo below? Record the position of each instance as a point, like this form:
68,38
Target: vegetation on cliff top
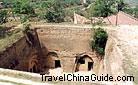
8,38
99,40
61,10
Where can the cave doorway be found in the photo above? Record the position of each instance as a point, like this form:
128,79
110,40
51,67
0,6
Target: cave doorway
84,63
33,69
81,61
33,64
52,61
57,64
90,66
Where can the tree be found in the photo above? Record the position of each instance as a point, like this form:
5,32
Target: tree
55,13
3,16
23,7
99,40
24,18
121,5
135,13
102,8
7,3
72,2
47,4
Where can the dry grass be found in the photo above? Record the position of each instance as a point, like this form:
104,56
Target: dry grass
9,40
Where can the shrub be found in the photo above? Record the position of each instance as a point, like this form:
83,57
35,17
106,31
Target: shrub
55,13
24,19
102,8
26,27
99,40
3,16
23,7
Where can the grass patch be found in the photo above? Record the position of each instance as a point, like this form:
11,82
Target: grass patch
8,40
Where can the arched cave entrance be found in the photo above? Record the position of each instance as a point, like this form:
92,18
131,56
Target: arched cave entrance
84,63
52,60
33,64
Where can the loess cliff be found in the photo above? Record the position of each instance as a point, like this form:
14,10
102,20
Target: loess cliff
121,52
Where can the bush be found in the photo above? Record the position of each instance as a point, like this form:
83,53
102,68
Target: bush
23,7
55,13
3,16
24,19
26,27
102,8
99,41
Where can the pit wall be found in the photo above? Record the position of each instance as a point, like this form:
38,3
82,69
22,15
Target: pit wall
16,56
67,42
68,39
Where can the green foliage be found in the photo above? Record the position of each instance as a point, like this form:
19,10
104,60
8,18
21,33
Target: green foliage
24,18
135,12
3,16
121,5
47,4
131,11
4,31
8,40
72,2
99,40
23,7
128,10
26,27
7,3
55,13
102,8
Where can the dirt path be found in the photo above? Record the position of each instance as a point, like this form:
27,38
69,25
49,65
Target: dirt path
6,80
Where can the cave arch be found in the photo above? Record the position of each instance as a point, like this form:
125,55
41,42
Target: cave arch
52,60
84,63
33,64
